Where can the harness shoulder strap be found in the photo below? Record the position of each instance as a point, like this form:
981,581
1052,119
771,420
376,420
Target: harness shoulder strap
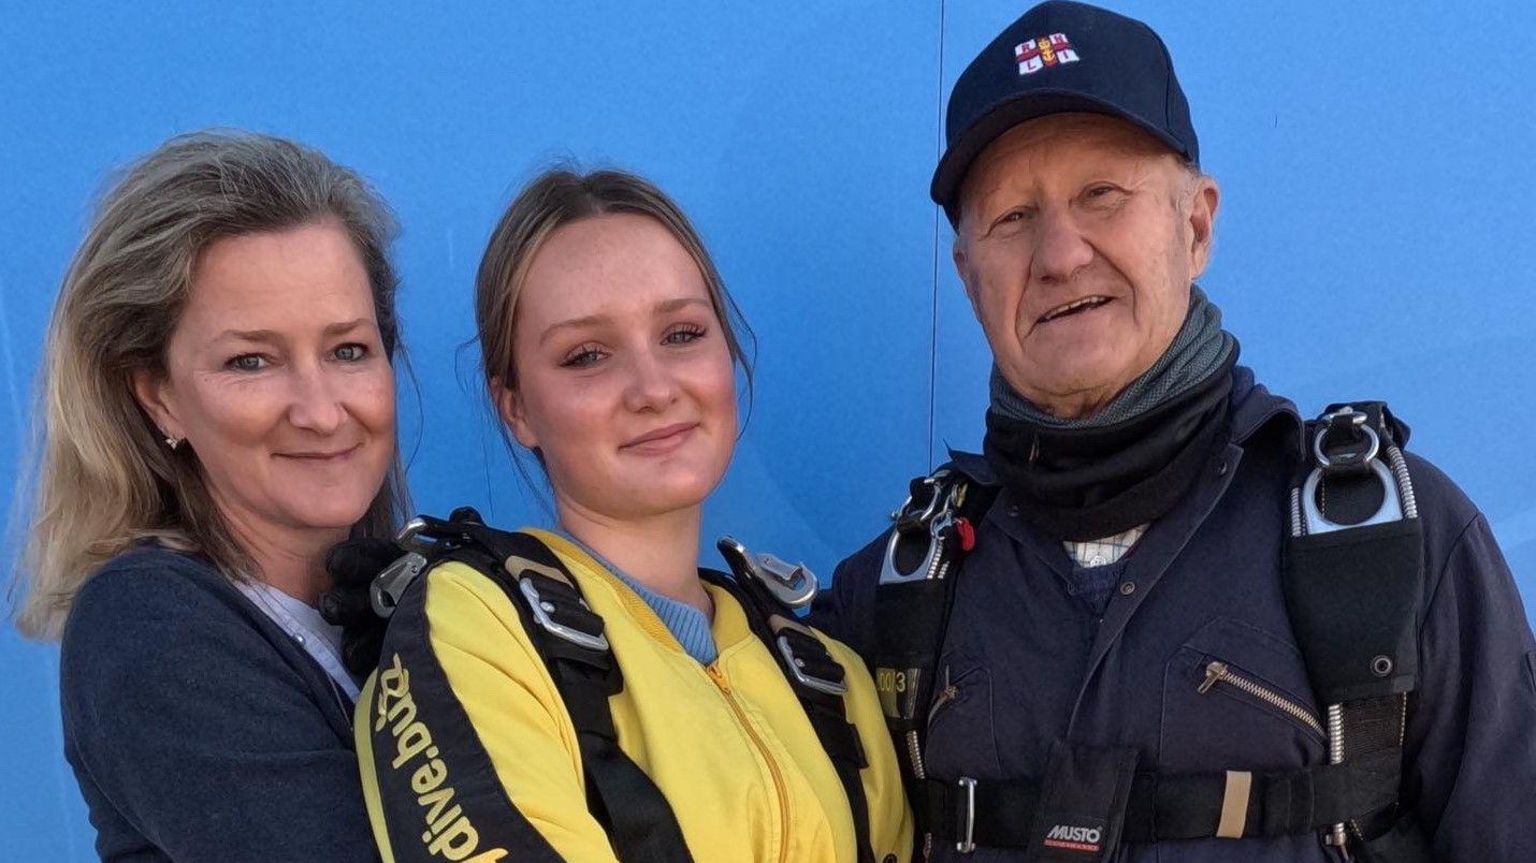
568,635
767,589
933,531
1353,582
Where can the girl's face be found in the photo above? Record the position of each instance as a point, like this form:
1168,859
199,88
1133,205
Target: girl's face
624,381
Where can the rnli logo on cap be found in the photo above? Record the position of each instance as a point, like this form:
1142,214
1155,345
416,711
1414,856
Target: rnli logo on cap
1043,51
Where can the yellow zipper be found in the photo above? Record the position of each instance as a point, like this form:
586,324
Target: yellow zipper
779,787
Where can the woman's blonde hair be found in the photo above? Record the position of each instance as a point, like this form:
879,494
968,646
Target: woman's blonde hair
558,197
105,479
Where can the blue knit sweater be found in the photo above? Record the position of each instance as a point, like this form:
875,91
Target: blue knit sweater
198,729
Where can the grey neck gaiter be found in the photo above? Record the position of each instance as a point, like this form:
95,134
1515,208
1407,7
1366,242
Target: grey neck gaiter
1200,347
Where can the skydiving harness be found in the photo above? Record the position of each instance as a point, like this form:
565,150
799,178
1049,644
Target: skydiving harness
1352,578
568,636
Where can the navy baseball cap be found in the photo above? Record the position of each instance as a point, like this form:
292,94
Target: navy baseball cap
1059,57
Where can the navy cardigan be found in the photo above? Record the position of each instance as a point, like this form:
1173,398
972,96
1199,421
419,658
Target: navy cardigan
198,729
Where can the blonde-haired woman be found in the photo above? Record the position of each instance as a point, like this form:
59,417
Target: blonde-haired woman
218,412
586,692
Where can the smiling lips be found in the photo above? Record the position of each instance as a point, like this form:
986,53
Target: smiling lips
1079,305
659,441
321,457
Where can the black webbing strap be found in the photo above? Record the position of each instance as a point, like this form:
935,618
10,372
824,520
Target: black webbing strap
1175,806
1353,581
635,814
1353,564
806,662
914,614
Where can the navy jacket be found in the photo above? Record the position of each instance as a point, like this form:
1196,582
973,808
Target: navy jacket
198,730
1031,663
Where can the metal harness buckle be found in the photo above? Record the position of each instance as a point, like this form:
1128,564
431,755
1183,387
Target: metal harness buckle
965,819
543,611
425,536
936,514
1355,420
386,589
1391,508
792,584
796,667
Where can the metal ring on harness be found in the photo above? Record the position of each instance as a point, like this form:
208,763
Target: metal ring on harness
1370,454
889,574
936,502
1391,502
937,516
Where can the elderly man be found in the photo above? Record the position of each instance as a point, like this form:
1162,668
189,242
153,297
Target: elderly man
1164,618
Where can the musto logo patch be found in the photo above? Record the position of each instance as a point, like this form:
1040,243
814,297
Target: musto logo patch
448,832
1073,838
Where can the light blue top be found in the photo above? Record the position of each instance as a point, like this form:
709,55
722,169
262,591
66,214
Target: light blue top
304,625
687,624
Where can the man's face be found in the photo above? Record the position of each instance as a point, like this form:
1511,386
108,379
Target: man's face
1079,236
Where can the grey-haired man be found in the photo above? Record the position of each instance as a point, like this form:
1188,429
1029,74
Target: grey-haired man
1162,617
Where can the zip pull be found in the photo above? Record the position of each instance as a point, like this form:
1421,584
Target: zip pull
1215,672
717,674
946,695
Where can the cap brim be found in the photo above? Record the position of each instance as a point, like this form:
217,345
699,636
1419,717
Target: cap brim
1008,113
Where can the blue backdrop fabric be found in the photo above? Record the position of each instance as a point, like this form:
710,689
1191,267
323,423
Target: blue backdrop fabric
1373,240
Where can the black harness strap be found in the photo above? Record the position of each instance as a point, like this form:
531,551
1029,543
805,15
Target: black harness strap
934,529
817,681
639,821
1352,583
1171,806
568,635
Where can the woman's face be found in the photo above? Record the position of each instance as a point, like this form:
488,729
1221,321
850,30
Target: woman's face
277,379
624,381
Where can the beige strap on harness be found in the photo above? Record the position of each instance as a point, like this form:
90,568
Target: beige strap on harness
1234,805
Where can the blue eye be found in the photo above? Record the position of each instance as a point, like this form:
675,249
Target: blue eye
246,363
352,353
582,357
683,335
1103,193
1012,217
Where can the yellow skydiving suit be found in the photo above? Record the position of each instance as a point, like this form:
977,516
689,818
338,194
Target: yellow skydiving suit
468,753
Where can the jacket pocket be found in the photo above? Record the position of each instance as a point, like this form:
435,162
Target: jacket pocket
1234,681
1237,698
961,739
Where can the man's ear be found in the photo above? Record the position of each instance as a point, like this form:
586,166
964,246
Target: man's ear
1206,197
152,391
509,404
963,269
